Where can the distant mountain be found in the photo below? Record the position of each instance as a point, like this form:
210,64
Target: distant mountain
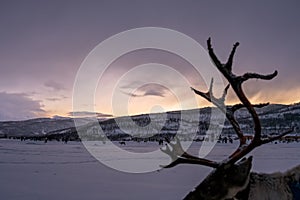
38,126
274,118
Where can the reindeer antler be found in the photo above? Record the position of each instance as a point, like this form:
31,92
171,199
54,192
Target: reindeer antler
235,82
178,156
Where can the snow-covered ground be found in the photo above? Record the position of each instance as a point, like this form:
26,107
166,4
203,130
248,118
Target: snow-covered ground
35,170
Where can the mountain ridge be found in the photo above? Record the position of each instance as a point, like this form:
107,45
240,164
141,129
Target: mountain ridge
274,117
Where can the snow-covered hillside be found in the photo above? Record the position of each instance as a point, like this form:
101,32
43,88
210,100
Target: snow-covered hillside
275,119
38,126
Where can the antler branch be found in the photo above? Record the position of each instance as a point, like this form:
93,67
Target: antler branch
236,83
271,139
239,106
228,65
213,55
248,76
178,155
219,102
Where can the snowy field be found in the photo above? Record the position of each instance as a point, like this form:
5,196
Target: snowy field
35,170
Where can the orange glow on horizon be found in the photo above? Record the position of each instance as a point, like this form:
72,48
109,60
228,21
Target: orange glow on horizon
142,105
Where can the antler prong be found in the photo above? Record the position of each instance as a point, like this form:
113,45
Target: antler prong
179,156
225,93
213,55
248,76
228,65
239,106
219,102
271,139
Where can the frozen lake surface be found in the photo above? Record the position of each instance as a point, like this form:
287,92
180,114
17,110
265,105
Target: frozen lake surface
35,170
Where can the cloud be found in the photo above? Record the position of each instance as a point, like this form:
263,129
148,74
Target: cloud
131,94
154,93
53,99
54,85
151,89
19,106
89,114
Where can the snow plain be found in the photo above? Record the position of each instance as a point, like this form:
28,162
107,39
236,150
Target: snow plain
53,170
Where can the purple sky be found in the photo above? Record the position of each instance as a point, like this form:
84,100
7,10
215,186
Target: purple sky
43,44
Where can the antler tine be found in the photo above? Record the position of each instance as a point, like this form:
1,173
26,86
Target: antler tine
219,102
213,55
205,95
271,139
228,65
239,106
198,161
248,76
245,149
179,156
225,92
